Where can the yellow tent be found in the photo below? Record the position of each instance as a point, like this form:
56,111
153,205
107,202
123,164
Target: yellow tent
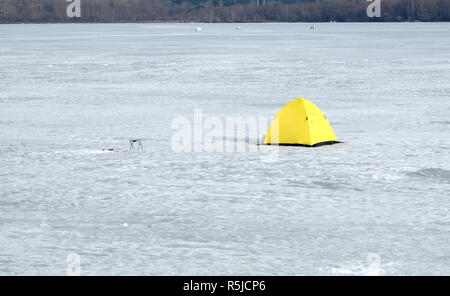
300,123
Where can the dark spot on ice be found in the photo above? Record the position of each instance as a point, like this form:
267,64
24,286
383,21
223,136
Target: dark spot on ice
436,174
441,122
327,185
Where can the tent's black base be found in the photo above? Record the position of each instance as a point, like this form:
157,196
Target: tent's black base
304,145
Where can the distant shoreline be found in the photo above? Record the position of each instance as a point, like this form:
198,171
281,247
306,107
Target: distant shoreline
202,22
230,11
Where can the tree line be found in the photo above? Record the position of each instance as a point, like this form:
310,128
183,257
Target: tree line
44,11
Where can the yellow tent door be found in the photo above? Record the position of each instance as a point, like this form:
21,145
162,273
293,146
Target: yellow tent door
300,123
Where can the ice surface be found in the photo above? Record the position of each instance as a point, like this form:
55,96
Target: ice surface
68,91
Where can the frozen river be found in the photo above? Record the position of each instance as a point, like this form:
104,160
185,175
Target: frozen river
377,204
